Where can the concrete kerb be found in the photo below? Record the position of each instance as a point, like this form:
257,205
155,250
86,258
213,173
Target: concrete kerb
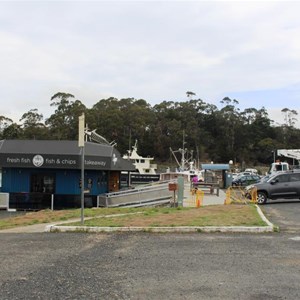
208,229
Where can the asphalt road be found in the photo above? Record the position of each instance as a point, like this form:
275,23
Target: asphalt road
284,213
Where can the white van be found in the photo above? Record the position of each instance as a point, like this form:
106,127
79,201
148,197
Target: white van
278,166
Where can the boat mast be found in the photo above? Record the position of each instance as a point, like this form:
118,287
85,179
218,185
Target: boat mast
186,162
183,153
129,141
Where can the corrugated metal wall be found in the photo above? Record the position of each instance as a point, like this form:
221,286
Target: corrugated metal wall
17,180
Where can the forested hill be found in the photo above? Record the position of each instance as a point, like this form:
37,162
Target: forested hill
214,134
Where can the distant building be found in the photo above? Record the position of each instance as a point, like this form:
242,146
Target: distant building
36,171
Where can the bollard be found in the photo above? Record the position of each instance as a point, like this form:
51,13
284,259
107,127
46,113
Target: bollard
199,198
227,199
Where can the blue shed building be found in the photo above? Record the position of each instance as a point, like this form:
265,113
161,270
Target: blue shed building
36,172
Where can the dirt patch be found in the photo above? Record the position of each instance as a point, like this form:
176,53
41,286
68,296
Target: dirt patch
30,218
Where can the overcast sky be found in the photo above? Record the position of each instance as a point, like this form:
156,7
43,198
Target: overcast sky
152,50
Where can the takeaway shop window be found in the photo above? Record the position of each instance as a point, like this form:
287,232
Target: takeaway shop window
42,183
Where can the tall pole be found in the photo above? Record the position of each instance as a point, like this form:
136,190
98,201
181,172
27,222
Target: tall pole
183,153
81,146
82,187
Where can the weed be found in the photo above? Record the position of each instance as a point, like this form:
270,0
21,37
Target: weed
35,221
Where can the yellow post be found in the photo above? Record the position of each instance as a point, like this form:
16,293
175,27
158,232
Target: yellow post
228,196
199,198
254,195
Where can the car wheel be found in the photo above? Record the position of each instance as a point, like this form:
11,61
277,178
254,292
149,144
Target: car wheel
261,197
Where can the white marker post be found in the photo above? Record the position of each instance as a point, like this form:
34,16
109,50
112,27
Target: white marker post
81,145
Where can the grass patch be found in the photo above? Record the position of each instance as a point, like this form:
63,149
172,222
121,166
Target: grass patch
215,215
49,216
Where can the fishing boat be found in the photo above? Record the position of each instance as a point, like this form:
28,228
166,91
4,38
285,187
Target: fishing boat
186,165
145,170
185,168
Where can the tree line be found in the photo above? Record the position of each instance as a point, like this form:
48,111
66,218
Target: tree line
214,134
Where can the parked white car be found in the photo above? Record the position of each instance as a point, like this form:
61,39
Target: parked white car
252,171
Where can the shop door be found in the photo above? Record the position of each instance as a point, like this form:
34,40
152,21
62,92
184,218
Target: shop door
114,181
42,183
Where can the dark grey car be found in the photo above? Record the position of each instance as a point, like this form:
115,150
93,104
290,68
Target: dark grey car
284,185
244,180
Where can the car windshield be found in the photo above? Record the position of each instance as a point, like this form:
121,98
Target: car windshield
265,178
272,177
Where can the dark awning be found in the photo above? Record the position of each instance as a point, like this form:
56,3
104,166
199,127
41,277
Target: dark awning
60,154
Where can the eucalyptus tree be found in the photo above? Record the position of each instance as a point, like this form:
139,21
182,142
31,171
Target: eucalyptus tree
290,118
264,150
123,121
138,124
12,131
196,119
167,129
192,117
258,133
230,124
190,94
33,127
4,123
63,124
105,117
287,131
210,134
293,141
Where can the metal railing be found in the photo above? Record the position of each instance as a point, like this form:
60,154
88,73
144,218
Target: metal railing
152,194
141,196
239,195
211,187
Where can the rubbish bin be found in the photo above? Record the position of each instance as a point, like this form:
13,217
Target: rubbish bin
228,179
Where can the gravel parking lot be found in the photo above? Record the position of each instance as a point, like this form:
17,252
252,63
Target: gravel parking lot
154,266
149,266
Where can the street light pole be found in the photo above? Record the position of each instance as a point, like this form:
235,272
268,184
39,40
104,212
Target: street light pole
81,145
